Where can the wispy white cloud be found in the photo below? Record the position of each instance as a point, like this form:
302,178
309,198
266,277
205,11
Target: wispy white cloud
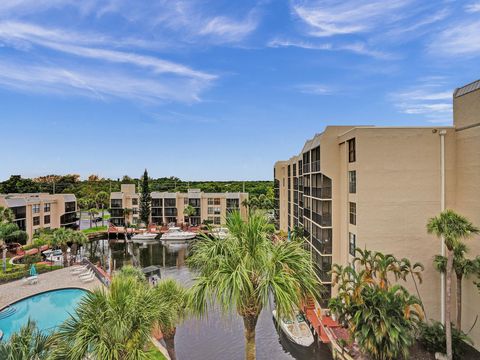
158,79
429,98
459,39
99,83
357,47
229,30
473,7
330,17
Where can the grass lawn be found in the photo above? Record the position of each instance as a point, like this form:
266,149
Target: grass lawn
95,229
154,353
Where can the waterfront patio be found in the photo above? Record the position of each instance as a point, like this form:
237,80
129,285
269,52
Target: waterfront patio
57,279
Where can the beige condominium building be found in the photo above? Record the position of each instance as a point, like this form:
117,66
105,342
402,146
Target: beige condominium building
41,210
168,207
376,188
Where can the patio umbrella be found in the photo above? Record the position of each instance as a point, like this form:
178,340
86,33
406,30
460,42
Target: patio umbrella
33,270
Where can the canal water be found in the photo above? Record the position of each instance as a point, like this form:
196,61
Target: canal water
218,336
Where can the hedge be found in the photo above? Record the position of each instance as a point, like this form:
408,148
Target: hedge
24,272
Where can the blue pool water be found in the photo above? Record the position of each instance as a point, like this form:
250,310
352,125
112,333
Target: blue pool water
48,310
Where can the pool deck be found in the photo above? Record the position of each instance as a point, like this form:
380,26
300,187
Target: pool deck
57,279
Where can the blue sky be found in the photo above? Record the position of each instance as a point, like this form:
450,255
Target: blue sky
218,89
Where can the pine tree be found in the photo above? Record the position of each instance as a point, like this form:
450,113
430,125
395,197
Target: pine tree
145,199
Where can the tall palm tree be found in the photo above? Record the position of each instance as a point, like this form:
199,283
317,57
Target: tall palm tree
110,324
28,344
78,238
60,238
189,211
92,213
83,204
462,267
102,198
241,272
175,298
452,228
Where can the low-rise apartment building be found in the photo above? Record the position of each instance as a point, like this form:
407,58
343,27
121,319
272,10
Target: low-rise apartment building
41,210
376,188
168,207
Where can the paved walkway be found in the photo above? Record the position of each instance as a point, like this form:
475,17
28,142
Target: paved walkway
52,280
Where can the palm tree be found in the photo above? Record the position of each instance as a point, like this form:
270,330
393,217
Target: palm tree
28,344
381,317
92,213
83,204
78,238
60,238
110,324
463,267
189,211
415,271
451,227
175,298
241,272
102,201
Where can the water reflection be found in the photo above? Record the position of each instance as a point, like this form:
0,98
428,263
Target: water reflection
219,336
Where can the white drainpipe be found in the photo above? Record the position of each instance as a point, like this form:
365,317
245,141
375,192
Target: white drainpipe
442,134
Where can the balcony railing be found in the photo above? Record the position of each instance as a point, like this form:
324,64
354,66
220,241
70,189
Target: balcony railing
322,193
306,168
322,220
316,166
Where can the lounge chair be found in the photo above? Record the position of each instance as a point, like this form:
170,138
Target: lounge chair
88,279
31,280
86,274
77,268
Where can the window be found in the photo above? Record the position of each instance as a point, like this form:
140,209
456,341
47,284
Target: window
353,213
170,202
210,210
216,201
134,201
46,207
70,206
135,211
46,219
116,203
352,245
351,150
156,202
210,201
216,220
352,182
36,220
36,208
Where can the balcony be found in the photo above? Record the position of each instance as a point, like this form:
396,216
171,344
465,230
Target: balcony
306,213
322,193
306,168
322,220
306,190
316,166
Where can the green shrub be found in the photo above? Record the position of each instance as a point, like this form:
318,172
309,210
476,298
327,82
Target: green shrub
432,337
19,272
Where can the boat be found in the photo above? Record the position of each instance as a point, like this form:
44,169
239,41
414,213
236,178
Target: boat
54,256
175,233
144,236
296,329
220,232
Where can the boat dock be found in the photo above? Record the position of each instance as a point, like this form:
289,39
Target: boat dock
329,332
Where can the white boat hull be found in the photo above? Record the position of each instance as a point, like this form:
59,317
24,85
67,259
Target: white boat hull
183,237
299,333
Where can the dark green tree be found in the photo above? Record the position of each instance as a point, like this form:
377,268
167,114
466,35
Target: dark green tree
145,199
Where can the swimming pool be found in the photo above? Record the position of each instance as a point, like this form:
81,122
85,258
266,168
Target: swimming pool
48,310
